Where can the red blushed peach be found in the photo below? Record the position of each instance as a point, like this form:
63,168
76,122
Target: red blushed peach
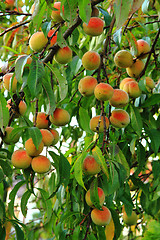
119,118
91,60
20,159
63,55
124,81
41,120
9,3
119,99
40,164
103,91
132,88
7,136
54,38
55,135
136,68
101,218
150,84
97,124
47,137
90,166
143,49
94,27
87,85
38,41
60,117
22,107
31,149
123,59
101,196
8,83
56,14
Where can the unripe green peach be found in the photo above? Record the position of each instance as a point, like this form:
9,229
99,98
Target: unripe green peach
47,137
124,81
101,196
40,164
103,91
136,68
143,49
150,84
56,14
132,88
123,59
55,135
129,220
20,159
97,124
119,99
94,27
31,149
8,83
54,38
90,166
60,117
91,60
101,218
119,118
38,41
7,136
95,12
87,85
63,55
41,120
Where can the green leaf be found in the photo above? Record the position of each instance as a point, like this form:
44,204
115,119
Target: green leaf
2,210
154,135
36,135
19,232
70,10
46,27
85,10
155,169
6,168
78,173
64,169
19,67
4,112
60,39
11,50
107,17
84,120
94,194
47,203
154,99
133,43
24,201
136,120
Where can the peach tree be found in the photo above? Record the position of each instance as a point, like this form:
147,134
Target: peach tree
79,119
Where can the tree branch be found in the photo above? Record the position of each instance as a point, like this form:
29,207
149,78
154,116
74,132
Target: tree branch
14,27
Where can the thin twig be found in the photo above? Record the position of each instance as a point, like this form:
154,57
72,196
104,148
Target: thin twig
14,27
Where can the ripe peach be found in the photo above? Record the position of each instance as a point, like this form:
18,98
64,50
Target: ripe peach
101,218
90,166
29,59
124,81
7,136
22,107
101,196
103,91
9,4
123,59
60,117
119,99
129,220
63,55
47,137
110,230
135,69
91,60
54,38
41,120
8,83
98,121
150,84
87,85
31,149
119,118
143,48
95,12
132,88
94,27
56,14
20,159
55,135
40,164
38,41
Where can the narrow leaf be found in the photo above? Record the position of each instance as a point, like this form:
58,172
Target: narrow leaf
84,119
64,169
6,168
47,203
4,112
24,201
19,68
136,120
85,10
36,135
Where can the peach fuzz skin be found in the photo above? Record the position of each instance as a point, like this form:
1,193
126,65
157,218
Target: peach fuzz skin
55,135
7,78
87,85
47,137
7,139
55,15
129,220
38,41
143,49
94,27
60,117
40,164
54,38
124,81
119,99
91,60
132,88
123,59
63,55
101,218
119,118
103,91
20,159
100,194
150,84
94,124
41,120
136,68
90,166
31,149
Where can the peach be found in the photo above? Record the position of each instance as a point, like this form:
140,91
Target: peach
56,14
98,121
95,12
103,91
142,49
123,59
129,220
101,217
101,196
87,85
41,120
136,68
63,55
60,117
40,164
55,135
124,81
20,159
91,60
119,99
38,41
54,38
7,136
94,27
110,230
119,118
9,83
150,84
47,137
29,59
31,149
90,166
132,88
22,107
9,4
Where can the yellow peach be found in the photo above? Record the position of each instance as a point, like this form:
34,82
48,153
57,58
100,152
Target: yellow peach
63,55
91,60
97,124
103,91
101,196
101,217
60,117
41,120
38,41
56,14
119,99
7,136
55,135
31,149
90,166
47,137
143,49
132,88
40,164
119,118
136,68
94,27
8,83
20,159
87,85
123,59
